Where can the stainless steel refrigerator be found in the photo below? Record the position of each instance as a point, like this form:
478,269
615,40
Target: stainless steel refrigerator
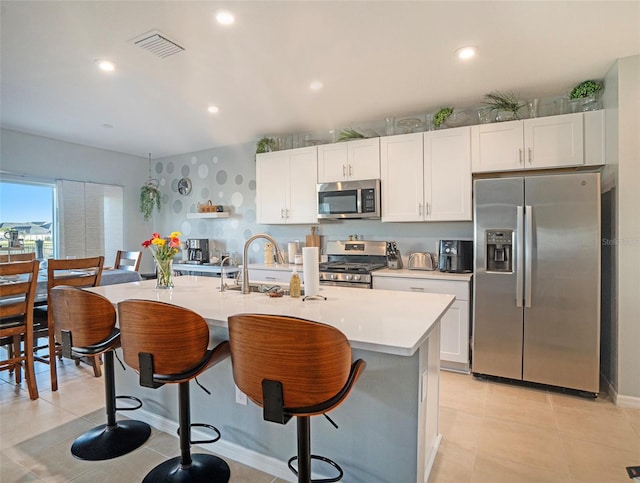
537,279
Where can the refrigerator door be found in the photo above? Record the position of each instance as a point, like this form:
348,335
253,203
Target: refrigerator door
562,302
497,320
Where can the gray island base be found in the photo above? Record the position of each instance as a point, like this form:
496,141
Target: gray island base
388,426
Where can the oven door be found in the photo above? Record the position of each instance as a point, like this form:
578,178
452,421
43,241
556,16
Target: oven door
345,284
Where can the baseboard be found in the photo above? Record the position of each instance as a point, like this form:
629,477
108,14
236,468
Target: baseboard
622,401
432,457
223,448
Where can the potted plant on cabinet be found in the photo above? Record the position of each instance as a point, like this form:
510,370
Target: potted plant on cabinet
505,104
585,96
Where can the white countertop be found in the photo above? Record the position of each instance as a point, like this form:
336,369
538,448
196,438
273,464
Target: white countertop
375,320
428,274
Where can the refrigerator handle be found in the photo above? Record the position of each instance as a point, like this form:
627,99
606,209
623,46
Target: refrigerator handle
519,254
528,254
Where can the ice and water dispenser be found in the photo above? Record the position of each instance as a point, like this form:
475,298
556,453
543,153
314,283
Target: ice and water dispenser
499,250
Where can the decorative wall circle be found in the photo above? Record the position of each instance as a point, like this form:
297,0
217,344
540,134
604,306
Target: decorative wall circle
239,179
186,170
221,177
252,185
203,171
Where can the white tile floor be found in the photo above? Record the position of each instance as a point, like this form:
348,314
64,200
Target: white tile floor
492,432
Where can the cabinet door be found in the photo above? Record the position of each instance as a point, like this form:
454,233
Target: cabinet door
266,275
332,162
272,181
497,147
554,141
401,175
447,174
454,333
364,159
302,199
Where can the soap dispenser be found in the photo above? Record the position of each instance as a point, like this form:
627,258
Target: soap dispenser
294,283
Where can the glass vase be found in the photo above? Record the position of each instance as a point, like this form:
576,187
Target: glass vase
164,274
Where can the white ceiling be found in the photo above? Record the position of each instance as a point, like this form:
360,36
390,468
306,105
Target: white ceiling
375,59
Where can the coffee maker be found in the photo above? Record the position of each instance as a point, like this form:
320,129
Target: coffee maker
456,256
197,251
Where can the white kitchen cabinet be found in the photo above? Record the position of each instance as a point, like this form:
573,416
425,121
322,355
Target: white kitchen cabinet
426,176
286,186
402,177
350,160
447,175
275,275
455,325
544,142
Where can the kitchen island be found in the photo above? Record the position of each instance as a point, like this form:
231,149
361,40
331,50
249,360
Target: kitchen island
388,426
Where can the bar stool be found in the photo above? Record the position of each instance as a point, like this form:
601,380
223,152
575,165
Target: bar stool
168,344
293,367
85,325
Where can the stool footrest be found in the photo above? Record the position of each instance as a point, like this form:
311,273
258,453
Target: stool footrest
130,398
203,441
325,460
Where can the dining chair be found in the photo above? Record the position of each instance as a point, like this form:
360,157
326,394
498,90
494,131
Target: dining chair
75,272
18,282
18,257
127,260
293,367
153,347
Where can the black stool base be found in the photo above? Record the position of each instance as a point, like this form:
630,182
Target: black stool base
204,468
103,443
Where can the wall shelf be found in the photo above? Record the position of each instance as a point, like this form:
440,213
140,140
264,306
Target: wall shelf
219,214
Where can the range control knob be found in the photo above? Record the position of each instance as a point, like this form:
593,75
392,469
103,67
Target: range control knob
447,250
347,277
357,277
332,276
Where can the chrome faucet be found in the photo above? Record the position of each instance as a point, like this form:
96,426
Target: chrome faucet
222,284
245,258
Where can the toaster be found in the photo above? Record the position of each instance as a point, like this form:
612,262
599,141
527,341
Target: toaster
421,261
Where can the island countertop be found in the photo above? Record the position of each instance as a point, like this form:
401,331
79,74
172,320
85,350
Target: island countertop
374,320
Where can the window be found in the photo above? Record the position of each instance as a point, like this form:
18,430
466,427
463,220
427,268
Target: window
28,208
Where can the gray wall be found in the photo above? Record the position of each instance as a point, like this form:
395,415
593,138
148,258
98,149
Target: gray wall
227,176
47,159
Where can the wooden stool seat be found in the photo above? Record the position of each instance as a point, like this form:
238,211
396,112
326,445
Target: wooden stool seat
85,325
168,344
293,367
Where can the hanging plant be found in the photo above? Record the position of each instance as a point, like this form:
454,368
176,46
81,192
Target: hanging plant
149,198
149,195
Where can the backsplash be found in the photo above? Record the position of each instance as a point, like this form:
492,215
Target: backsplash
227,176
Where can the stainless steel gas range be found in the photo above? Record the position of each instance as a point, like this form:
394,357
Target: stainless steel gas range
350,263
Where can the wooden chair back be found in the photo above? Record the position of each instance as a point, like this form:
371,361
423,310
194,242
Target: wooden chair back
310,359
74,272
18,283
18,257
127,260
176,337
89,317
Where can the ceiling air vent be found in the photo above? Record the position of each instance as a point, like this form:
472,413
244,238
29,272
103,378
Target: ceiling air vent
158,44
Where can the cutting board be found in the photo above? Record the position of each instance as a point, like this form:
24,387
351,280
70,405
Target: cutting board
313,240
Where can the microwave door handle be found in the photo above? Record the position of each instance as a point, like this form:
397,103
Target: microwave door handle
359,200
519,254
528,254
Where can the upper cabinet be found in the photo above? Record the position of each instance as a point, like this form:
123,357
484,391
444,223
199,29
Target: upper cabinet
545,142
286,186
350,160
426,176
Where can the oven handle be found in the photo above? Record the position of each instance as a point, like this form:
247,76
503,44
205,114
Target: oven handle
345,284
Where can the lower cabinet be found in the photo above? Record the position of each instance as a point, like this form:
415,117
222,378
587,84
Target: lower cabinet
455,325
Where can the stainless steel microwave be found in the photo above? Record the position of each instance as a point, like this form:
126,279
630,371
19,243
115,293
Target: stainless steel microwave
349,199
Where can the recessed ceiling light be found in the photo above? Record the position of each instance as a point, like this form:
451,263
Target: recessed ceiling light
225,17
213,109
465,53
105,65
315,86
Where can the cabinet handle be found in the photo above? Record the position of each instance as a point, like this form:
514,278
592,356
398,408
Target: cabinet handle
286,213
270,278
520,156
417,289
349,170
419,209
282,214
530,155
428,209
344,171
